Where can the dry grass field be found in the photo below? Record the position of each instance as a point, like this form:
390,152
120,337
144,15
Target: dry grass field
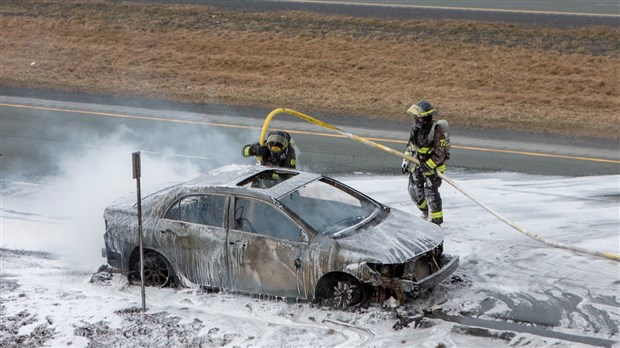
498,75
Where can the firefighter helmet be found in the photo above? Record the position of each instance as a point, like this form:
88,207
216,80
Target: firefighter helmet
421,109
278,141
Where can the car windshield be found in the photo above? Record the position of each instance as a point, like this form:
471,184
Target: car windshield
329,207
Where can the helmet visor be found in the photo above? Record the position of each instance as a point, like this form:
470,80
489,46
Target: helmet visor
417,111
276,143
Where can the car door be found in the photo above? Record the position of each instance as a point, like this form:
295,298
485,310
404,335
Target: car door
268,251
193,234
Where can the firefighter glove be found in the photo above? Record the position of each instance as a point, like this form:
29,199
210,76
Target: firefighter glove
405,166
262,151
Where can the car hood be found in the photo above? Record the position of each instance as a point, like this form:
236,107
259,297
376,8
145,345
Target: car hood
400,237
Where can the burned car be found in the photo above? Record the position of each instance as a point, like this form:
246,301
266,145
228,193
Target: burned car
277,232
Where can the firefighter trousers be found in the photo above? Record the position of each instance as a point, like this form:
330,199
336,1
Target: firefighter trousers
424,191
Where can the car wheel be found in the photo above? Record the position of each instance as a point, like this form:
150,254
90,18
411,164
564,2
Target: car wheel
157,271
347,293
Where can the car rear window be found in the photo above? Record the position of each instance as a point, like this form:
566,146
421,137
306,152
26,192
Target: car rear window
203,209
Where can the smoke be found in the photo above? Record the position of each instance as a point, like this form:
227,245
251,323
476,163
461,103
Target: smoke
91,176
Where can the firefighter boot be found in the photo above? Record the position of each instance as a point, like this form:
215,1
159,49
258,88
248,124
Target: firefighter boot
424,215
437,217
434,199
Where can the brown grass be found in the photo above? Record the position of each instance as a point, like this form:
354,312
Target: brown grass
480,74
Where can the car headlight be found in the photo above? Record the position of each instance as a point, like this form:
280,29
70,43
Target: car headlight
416,268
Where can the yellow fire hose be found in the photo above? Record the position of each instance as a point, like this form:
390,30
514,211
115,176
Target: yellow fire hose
307,118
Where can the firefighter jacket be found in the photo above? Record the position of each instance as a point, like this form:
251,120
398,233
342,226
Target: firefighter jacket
285,159
430,144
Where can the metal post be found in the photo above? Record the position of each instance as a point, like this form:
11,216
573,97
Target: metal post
135,161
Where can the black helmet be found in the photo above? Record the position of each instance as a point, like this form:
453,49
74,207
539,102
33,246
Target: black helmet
421,109
278,141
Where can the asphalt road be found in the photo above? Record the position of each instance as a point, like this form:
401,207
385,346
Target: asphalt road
551,13
38,135
579,7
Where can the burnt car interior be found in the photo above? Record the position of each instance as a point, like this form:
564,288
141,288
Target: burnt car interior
266,179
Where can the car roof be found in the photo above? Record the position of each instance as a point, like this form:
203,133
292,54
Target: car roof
224,180
231,176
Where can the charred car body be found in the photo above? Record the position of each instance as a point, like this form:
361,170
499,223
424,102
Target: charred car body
278,232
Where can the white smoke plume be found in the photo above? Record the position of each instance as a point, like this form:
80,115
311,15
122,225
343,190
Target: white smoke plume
90,177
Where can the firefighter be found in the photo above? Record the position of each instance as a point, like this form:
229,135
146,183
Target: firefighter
278,150
429,143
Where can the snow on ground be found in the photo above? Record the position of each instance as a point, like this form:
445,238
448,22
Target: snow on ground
509,290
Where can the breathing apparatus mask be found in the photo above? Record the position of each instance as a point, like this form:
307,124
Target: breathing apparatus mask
277,143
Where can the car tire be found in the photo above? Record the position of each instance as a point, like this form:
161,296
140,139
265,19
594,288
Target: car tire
157,270
347,293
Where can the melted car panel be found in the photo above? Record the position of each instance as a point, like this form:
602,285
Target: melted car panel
303,236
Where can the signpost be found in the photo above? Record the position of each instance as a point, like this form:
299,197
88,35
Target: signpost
135,161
